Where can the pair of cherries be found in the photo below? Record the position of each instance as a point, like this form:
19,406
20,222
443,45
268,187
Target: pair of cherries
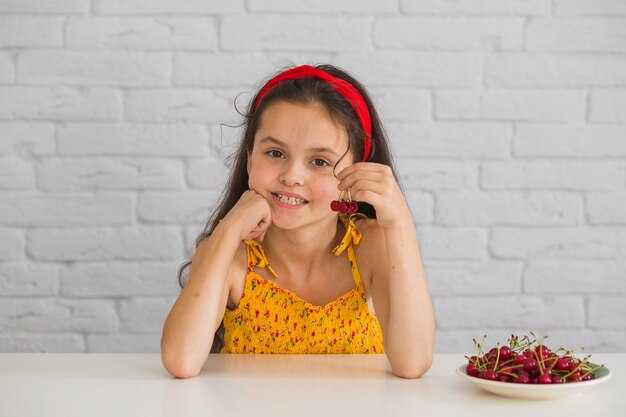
344,204
347,207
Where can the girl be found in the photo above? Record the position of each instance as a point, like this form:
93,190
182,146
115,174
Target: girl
312,137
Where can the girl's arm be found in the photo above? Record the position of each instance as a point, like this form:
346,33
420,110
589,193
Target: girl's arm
402,300
191,324
399,289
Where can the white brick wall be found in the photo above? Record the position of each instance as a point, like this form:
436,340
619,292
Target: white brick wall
508,118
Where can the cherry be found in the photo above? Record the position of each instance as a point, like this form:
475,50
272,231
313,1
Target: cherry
530,365
544,379
471,369
335,205
523,378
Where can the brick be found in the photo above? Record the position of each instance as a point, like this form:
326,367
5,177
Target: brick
44,6
27,139
403,104
31,31
7,72
607,312
496,312
155,33
584,277
559,175
596,341
573,141
144,7
408,69
16,174
99,244
421,206
61,104
451,140
57,315
301,33
124,343
436,175
164,208
17,279
328,6
449,33
447,243
544,70
508,208
180,105
95,68
72,174
511,105
237,69
11,245
144,315
585,7
135,139
35,209
608,106
559,243
590,34
473,278
18,342
607,208
207,173
472,7
120,279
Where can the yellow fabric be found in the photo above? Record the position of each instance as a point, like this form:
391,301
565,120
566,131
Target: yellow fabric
270,319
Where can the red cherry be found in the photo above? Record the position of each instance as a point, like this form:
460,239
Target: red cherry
353,207
471,370
523,378
574,378
344,207
489,374
530,365
505,353
544,379
334,205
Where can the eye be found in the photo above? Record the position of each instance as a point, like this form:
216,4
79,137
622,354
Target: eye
319,162
274,153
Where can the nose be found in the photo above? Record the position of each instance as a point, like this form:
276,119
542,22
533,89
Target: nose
291,175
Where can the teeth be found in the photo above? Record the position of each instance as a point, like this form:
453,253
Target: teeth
290,200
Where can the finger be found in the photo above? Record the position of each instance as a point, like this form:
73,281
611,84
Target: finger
374,176
366,166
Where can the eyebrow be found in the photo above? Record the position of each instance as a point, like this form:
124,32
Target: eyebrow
283,144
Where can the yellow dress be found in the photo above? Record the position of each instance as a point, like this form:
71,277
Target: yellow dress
270,319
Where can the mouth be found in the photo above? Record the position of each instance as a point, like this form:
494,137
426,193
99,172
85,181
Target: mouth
294,201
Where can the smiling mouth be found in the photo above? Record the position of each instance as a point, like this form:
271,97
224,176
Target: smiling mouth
290,200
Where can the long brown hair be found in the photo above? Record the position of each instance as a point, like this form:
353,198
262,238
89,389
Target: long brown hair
299,91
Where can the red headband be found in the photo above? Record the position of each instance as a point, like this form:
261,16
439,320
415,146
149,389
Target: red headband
344,88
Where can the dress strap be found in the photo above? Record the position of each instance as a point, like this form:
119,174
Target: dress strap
353,234
256,257
351,238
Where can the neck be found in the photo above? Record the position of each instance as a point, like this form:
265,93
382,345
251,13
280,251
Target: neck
301,250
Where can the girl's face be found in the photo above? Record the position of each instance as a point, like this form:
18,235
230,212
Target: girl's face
295,150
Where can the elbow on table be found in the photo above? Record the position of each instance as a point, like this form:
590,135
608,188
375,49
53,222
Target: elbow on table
180,368
412,370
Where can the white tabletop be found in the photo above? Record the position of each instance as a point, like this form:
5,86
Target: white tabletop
135,385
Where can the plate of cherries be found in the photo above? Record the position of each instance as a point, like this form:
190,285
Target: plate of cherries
527,368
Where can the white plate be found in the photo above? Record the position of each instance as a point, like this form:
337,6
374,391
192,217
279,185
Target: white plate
536,391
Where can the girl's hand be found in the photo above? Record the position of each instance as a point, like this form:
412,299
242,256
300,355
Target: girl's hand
250,217
375,184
